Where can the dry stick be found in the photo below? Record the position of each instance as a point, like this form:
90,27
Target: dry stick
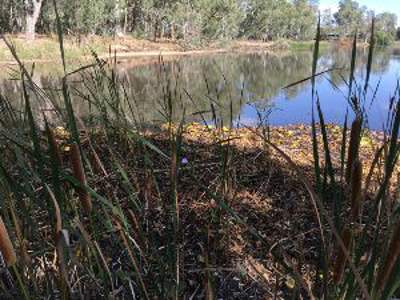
140,244
103,260
318,205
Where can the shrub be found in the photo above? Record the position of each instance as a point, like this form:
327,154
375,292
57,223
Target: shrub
384,39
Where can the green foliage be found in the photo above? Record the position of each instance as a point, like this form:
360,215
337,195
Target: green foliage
387,22
349,16
222,18
273,19
198,20
11,14
384,39
175,19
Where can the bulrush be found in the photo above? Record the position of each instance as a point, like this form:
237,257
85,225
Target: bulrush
6,246
391,259
356,182
341,257
54,146
355,136
79,174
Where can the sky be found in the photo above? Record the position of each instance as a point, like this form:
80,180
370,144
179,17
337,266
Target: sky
377,5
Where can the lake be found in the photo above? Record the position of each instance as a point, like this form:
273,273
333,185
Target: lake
239,87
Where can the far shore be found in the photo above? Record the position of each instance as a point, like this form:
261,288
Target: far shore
46,49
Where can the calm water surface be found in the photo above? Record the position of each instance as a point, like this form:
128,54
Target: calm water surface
244,86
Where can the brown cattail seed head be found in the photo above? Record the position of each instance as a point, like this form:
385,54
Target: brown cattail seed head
79,174
6,246
54,145
355,136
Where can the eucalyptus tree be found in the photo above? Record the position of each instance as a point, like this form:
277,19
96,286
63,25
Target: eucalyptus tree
274,19
387,22
304,19
349,17
328,24
11,15
220,18
33,9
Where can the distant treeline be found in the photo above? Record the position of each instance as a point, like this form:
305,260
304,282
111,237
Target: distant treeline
192,20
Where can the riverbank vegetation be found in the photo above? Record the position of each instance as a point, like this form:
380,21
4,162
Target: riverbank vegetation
45,48
105,205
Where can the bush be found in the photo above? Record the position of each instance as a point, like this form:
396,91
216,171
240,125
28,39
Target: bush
384,39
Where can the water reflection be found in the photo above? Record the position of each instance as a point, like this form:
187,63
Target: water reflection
232,84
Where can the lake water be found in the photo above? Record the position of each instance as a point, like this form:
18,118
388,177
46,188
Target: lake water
243,87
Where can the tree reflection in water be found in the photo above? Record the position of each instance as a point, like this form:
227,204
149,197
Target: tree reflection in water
229,81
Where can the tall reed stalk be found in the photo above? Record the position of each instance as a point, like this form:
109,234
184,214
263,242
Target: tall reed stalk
79,174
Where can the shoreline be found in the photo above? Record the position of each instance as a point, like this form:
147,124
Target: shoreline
46,50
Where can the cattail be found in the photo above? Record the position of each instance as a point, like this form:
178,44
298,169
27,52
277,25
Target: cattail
354,146
54,145
79,174
356,182
391,259
341,257
6,246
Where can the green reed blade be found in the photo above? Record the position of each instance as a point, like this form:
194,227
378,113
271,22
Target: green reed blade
370,55
352,69
328,160
315,56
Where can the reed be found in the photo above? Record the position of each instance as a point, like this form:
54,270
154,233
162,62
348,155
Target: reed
136,243
393,254
356,190
355,241
79,174
340,262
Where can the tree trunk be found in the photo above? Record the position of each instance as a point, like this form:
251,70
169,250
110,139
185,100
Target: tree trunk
118,13
173,32
33,8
